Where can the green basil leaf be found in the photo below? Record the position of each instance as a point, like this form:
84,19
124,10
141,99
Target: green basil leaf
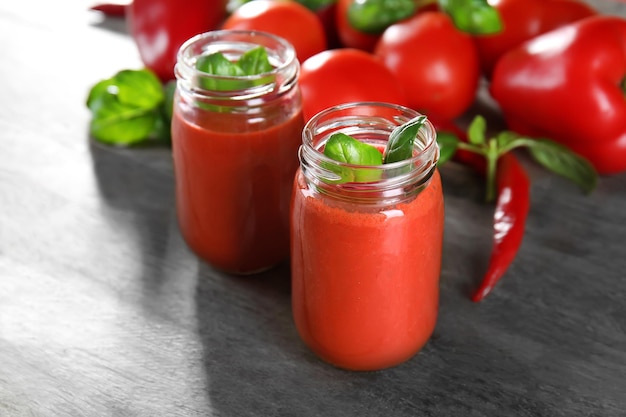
476,132
476,17
344,148
140,88
401,140
125,108
316,5
374,16
448,144
255,61
98,91
119,124
217,64
562,161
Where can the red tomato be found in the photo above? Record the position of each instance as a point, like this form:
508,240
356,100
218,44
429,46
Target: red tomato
523,20
349,36
287,19
344,75
436,64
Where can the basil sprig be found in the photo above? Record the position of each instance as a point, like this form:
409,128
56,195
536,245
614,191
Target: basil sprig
374,16
549,154
130,107
476,17
253,62
345,148
134,107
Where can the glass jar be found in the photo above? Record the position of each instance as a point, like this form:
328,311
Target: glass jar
235,141
366,256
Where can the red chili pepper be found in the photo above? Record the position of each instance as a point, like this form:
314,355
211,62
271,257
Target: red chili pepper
110,9
568,85
509,221
511,211
160,27
523,20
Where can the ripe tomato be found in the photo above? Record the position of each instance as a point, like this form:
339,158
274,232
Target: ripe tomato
343,75
349,36
436,64
287,19
523,20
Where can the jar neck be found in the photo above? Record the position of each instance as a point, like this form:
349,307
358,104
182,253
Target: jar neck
232,44
371,123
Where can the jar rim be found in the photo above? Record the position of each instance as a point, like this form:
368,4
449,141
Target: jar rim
427,154
186,58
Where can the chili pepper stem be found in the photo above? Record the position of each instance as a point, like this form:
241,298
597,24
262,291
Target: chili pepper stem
422,3
492,165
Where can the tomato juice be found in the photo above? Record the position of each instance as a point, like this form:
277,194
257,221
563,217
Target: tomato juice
368,297
233,180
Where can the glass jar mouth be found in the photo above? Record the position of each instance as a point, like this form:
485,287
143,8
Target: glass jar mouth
233,44
371,122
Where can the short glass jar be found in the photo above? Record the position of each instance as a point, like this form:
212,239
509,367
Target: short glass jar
366,256
235,141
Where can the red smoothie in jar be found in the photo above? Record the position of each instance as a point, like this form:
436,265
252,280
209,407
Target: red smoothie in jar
234,142
233,186
365,274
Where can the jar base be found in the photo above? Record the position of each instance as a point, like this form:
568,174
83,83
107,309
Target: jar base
371,366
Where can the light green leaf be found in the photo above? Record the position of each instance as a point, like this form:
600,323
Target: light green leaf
344,148
476,132
255,61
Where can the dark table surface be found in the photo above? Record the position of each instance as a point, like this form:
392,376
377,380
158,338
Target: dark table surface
105,312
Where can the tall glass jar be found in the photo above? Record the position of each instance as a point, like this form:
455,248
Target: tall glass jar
235,141
366,256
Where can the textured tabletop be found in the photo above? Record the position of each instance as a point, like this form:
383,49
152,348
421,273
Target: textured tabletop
104,311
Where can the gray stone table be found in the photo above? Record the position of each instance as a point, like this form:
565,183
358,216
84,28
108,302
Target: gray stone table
105,312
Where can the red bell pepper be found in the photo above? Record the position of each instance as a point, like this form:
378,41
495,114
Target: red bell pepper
160,27
523,20
569,85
